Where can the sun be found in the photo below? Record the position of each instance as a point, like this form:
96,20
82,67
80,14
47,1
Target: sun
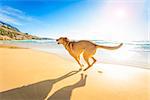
121,13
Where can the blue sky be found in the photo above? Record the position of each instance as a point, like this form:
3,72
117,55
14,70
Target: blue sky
79,19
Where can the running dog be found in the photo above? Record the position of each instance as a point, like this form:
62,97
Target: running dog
75,48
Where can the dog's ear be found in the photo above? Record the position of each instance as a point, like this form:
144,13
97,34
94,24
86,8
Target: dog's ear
66,38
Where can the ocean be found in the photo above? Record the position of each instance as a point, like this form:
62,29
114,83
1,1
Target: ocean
132,53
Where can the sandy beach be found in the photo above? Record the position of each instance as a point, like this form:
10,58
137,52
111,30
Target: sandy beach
27,74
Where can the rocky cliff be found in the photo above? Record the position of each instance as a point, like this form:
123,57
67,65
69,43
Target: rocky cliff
8,32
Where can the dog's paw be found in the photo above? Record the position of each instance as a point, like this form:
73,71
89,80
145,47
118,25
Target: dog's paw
85,69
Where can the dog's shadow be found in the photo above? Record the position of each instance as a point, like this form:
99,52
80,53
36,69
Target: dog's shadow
36,91
65,92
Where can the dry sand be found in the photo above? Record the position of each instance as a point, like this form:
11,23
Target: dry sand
26,74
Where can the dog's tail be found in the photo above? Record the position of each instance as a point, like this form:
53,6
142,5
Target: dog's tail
109,47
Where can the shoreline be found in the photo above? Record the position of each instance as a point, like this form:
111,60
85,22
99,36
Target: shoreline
11,46
68,57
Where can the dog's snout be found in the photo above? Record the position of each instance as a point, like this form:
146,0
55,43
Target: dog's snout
56,39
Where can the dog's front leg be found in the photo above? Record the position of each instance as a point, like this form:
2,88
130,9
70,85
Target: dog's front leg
78,60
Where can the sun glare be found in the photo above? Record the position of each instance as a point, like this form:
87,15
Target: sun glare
118,72
121,13
123,54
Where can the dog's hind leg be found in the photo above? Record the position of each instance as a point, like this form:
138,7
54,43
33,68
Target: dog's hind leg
87,55
94,61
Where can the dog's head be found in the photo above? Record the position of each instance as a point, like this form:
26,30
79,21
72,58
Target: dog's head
62,40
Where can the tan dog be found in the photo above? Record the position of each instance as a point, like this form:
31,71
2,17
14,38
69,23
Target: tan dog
88,48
